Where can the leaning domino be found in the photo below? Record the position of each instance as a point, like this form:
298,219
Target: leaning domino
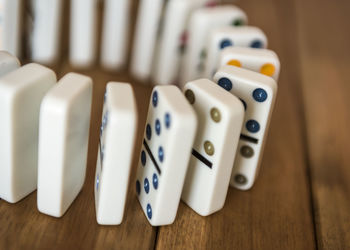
258,93
83,32
202,22
147,26
8,63
63,143
220,117
117,140
115,33
46,32
223,37
263,61
169,134
173,39
21,93
10,19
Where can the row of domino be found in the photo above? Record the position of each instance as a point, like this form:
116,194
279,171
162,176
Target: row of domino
188,150
175,41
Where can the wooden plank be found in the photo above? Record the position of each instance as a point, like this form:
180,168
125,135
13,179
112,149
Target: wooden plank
324,40
276,213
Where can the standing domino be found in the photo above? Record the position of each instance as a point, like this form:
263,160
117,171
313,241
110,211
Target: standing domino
169,134
117,140
115,33
46,32
145,38
63,143
202,22
258,93
10,19
21,92
227,36
263,61
83,32
8,63
220,118
173,39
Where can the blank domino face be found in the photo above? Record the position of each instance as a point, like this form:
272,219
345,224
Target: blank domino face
117,140
10,25
202,22
21,92
263,61
63,143
220,117
165,154
115,33
83,32
173,39
46,32
258,93
8,63
227,36
147,25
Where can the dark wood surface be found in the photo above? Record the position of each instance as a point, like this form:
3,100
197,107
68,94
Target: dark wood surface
301,198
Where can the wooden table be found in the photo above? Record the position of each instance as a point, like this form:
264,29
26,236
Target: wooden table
301,198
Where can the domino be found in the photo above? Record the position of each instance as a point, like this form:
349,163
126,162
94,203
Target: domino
21,92
115,34
8,63
263,61
117,140
83,33
63,143
220,117
201,23
147,25
173,39
228,36
165,152
46,30
258,93
10,20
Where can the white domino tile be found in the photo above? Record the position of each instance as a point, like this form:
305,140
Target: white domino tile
8,63
258,93
166,148
21,93
63,143
263,61
117,139
220,116
228,36
201,23
10,23
46,34
115,34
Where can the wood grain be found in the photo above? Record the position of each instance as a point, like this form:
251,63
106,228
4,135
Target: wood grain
324,41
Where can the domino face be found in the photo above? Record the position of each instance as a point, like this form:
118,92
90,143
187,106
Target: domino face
258,93
147,25
117,140
173,39
63,143
220,117
228,36
21,92
263,61
202,22
46,30
8,63
115,34
83,32
10,20
165,154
